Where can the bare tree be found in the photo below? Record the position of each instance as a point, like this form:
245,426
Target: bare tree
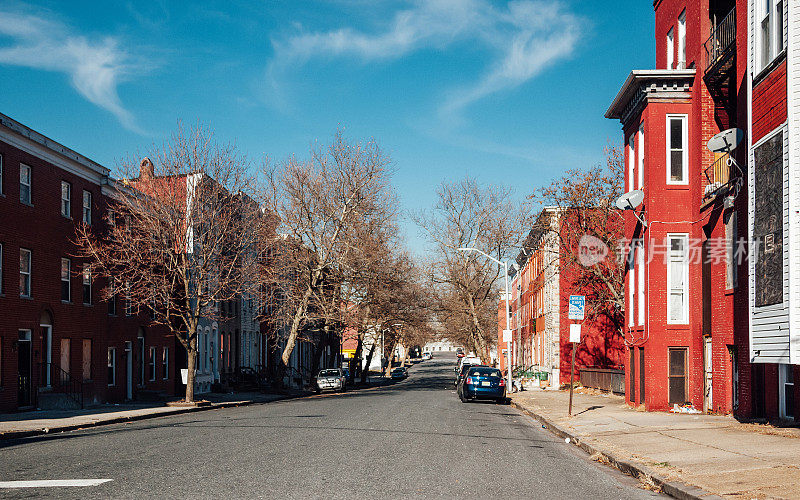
181,235
320,204
487,218
589,232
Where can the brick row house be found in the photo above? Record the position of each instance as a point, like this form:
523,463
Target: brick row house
543,280
708,314
60,343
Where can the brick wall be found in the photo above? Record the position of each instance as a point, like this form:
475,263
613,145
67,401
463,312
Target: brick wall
769,102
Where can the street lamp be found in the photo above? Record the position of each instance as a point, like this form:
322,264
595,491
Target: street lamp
508,312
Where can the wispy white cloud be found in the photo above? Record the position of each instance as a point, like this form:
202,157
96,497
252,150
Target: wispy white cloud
522,38
95,67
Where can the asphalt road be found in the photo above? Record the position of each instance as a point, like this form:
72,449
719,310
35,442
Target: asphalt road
414,438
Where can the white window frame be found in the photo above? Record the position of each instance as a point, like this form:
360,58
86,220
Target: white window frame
640,157
640,298
26,275
631,160
682,40
671,48
684,140
631,286
25,182
769,20
87,207
66,279
682,260
165,362
112,364
66,199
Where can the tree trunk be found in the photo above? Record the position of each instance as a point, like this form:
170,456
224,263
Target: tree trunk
295,328
356,364
191,360
365,369
480,341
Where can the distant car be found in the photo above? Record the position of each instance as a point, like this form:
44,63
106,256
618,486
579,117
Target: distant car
399,373
331,379
426,355
469,360
462,372
460,352
482,382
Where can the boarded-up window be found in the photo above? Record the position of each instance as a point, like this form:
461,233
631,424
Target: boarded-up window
768,221
87,359
677,375
64,359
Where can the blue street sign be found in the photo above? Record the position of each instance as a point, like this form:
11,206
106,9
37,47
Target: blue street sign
577,307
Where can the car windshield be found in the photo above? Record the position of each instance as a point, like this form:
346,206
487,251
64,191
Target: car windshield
485,372
329,373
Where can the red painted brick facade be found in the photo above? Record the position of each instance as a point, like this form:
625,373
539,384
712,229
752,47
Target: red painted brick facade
769,102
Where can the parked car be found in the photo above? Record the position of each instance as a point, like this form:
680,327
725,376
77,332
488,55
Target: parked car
426,355
461,373
482,382
399,373
469,360
460,352
331,379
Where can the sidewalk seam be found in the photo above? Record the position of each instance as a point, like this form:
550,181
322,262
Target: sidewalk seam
672,488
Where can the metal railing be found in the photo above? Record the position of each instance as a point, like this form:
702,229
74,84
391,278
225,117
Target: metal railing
61,382
722,39
720,175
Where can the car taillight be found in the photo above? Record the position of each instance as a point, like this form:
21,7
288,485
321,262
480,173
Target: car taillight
502,382
469,380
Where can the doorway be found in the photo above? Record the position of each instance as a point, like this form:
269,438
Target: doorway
786,391
47,336
128,370
24,369
708,379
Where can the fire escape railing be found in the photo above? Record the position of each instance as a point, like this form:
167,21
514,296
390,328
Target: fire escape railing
722,39
721,176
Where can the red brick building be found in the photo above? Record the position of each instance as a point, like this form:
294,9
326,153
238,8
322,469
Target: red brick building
695,330
60,342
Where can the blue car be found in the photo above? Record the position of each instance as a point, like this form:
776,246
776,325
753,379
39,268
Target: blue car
482,382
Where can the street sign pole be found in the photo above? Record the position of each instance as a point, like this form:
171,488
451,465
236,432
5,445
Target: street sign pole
577,311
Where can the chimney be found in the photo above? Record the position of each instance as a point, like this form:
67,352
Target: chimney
146,169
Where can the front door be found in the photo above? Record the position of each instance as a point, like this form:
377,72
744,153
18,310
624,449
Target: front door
24,369
128,370
708,398
47,334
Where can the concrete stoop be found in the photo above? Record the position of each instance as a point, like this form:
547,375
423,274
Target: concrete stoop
674,489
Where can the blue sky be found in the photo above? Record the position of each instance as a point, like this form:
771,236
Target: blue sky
508,92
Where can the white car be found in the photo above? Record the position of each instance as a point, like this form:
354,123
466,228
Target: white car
331,379
426,355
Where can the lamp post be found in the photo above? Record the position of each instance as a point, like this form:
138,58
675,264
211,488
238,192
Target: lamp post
508,312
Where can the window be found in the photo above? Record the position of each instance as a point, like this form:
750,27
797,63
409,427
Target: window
152,363
1,269
631,286
677,155
24,272
677,375
112,366
677,279
1,175
640,164
786,394
25,184
65,291
128,303
66,195
87,284
732,233
769,37
682,40
87,207
670,48
640,282
112,299
631,160
165,363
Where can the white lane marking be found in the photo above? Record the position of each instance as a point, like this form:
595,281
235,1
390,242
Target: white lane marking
53,483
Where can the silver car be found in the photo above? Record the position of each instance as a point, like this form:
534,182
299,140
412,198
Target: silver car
331,379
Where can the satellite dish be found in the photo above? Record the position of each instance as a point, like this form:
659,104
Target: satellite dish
631,200
726,141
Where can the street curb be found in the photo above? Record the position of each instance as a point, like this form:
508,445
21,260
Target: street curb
672,488
11,435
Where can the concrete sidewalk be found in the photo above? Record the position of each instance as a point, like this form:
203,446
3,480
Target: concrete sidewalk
32,423
688,456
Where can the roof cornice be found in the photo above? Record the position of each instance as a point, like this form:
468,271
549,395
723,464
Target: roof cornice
649,83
